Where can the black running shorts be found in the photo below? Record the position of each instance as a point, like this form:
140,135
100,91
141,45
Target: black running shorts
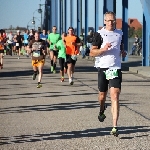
69,60
1,51
55,52
103,82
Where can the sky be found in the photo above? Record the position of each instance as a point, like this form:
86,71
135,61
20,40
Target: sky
20,12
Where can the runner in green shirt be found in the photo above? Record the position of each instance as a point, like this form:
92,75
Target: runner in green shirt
62,56
53,38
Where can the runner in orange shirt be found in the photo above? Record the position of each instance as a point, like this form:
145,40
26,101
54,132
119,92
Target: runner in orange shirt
72,49
1,50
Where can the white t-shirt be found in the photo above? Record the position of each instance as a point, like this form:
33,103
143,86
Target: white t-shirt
111,58
10,38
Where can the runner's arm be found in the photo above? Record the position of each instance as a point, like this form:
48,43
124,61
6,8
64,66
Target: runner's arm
96,42
44,49
29,48
48,39
95,51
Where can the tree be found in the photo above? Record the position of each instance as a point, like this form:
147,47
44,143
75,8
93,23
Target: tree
17,28
131,32
139,32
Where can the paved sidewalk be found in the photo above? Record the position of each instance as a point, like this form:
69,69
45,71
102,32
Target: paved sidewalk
62,117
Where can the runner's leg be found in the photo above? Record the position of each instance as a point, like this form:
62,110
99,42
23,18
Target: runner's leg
51,59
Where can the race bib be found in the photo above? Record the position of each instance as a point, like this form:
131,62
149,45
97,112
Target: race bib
25,41
44,39
74,57
111,74
17,44
36,53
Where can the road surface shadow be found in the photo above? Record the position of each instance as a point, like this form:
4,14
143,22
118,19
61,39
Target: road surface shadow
124,133
56,107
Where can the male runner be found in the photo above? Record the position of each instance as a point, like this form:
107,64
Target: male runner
38,49
61,46
10,42
108,63
53,38
26,37
72,49
1,50
19,41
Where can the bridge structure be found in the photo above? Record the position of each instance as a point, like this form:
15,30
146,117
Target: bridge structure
76,13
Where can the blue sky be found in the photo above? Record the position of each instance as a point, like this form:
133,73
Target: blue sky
20,12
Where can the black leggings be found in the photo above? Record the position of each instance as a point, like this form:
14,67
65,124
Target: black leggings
62,63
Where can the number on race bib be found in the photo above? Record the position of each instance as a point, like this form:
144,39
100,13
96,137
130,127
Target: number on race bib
36,53
111,74
17,44
25,41
74,57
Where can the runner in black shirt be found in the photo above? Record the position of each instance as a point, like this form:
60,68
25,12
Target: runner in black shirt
19,40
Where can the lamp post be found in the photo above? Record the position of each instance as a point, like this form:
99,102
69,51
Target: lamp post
33,22
29,22
40,11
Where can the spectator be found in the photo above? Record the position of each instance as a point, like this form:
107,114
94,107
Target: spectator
10,42
82,50
81,37
137,40
89,40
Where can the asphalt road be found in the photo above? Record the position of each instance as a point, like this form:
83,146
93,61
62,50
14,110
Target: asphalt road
63,117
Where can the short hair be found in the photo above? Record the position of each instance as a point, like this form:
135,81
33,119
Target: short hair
71,28
110,13
54,27
36,32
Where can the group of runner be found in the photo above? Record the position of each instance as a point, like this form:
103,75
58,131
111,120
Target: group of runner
107,48
11,44
63,47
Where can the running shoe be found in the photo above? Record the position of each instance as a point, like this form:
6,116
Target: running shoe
52,68
27,55
62,79
54,71
71,82
114,131
39,85
34,76
101,117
